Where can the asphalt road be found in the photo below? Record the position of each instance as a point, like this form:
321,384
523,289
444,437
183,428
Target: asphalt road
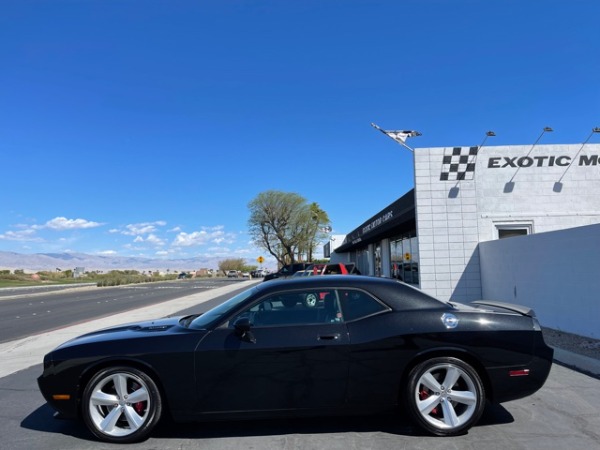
33,311
564,414
10,292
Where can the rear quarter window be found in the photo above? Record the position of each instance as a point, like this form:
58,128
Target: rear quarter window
358,304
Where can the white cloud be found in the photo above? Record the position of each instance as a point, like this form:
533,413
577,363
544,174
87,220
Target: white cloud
207,235
134,229
155,240
150,239
133,248
184,239
107,252
62,223
23,235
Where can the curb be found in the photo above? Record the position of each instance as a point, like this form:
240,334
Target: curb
581,363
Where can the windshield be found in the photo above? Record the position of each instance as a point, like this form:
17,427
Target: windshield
212,315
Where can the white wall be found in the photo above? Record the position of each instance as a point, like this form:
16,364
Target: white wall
556,273
510,185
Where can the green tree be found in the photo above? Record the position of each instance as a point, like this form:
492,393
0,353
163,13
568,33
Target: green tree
285,225
232,264
314,231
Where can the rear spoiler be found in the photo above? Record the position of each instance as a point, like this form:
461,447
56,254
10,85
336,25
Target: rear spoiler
524,310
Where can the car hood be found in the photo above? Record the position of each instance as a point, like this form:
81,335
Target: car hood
126,331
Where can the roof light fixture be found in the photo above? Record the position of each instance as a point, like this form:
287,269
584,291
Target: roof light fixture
558,185
510,185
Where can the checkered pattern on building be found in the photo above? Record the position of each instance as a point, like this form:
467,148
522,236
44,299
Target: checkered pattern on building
459,164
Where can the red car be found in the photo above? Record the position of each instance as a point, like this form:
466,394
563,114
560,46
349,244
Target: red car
335,269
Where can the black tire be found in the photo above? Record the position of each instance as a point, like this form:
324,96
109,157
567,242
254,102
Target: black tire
440,409
121,405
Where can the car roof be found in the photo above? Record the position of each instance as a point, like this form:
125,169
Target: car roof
398,295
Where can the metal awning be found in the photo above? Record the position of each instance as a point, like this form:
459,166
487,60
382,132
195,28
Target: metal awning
397,218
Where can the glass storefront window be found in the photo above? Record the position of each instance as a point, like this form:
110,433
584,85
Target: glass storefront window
362,261
378,270
404,252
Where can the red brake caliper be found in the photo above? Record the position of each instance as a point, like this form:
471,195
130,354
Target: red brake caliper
423,394
139,406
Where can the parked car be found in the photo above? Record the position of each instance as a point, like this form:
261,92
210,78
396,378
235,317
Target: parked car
232,274
286,271
304,273
315,269
372,345
340,269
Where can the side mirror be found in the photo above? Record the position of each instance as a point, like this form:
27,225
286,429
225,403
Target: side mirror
242,329
242,325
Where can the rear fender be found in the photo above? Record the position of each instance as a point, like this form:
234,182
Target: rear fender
451,352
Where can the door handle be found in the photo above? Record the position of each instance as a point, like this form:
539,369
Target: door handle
329,337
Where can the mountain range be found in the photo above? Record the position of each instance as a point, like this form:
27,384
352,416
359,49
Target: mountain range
52,261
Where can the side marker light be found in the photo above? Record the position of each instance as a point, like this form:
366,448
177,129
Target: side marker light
518,373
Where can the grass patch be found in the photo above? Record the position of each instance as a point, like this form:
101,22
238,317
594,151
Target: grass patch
113,278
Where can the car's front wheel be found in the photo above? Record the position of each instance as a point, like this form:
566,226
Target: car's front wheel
121,404
445,396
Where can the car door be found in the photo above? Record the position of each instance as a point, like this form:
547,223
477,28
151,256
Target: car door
377,353
293,357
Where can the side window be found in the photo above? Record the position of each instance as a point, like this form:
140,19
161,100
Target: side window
358,304
297,308
333,269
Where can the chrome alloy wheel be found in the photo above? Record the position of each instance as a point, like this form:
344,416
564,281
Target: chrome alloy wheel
121,405
311,300
447,396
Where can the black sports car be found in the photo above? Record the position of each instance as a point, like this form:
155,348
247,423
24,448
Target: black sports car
369,345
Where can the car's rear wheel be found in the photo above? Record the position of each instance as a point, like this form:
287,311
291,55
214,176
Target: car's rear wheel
121,404
445,396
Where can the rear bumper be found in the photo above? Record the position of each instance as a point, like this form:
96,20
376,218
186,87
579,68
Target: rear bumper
515,382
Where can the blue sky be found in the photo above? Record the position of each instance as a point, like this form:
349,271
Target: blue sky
144,127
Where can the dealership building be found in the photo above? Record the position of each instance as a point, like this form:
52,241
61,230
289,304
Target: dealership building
447,236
